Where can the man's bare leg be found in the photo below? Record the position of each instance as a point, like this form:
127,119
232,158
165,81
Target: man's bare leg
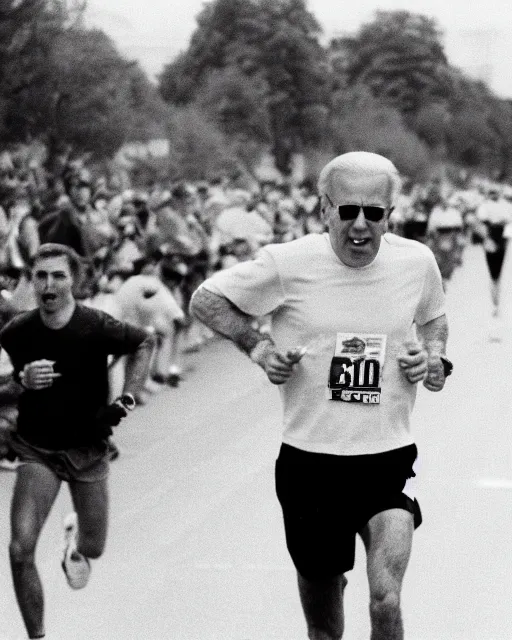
34,494
90,500
322,602
388,541
495,296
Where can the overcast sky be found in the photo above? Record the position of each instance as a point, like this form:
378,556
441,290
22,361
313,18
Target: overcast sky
478,34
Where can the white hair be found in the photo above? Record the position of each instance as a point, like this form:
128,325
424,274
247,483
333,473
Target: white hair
359,163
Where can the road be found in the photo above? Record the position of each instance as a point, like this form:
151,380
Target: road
196,548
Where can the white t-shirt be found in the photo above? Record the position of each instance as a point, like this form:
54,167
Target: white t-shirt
236,222
449,218
312,296
497,212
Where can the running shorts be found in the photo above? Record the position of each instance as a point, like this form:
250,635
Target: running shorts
327,499
82,464
495,263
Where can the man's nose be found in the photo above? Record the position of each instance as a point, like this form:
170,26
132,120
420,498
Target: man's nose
360,221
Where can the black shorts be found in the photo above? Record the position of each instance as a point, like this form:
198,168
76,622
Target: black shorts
82,464
327,499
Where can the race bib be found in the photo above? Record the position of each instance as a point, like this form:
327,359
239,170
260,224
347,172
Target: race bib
356,368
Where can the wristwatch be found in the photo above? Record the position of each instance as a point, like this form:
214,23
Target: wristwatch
447,366
128,401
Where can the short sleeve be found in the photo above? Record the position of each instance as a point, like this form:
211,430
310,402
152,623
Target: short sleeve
119,338
432,301
254,287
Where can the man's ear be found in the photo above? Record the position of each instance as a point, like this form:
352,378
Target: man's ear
324,206
386,219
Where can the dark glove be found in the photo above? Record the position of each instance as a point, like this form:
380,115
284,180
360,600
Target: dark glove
110,416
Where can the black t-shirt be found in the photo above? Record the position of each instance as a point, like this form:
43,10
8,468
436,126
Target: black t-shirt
64,415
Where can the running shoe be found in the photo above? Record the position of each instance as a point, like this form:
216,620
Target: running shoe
76,567
174,379
9,465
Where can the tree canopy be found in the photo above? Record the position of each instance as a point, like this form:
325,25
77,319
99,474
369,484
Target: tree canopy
66,85
400,56
272,44
256,77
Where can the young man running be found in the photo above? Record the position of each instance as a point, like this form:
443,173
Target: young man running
60,352
357,320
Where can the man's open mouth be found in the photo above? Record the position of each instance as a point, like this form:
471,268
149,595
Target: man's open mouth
48,296
359,242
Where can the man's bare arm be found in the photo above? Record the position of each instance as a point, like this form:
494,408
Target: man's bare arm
434,336
222,316
137,366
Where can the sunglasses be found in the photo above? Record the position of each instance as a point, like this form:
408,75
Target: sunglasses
351,211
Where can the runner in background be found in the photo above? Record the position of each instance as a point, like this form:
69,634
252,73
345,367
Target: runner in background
445,232
493,215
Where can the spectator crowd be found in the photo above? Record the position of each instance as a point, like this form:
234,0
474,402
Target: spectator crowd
145,251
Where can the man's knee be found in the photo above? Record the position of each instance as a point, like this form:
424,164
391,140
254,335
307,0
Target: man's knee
385,605
22,549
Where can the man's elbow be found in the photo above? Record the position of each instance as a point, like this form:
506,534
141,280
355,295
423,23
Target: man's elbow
199,304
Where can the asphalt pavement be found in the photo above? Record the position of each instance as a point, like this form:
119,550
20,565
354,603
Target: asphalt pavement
196,548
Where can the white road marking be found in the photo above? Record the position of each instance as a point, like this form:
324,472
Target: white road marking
495,483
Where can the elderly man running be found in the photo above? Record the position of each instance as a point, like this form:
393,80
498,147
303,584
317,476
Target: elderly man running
358,320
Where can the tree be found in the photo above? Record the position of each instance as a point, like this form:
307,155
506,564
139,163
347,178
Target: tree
148,113
68,86
199,149
27,31
176,84
500,122
83,95
237,103
362,122
400,56
480,131
274,41
431,123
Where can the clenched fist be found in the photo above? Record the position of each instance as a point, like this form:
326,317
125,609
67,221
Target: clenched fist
435,378
413,361
278,366
38,374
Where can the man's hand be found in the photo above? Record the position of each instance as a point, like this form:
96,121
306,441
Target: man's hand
277,366
413,361
110,416
38,374
435,378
